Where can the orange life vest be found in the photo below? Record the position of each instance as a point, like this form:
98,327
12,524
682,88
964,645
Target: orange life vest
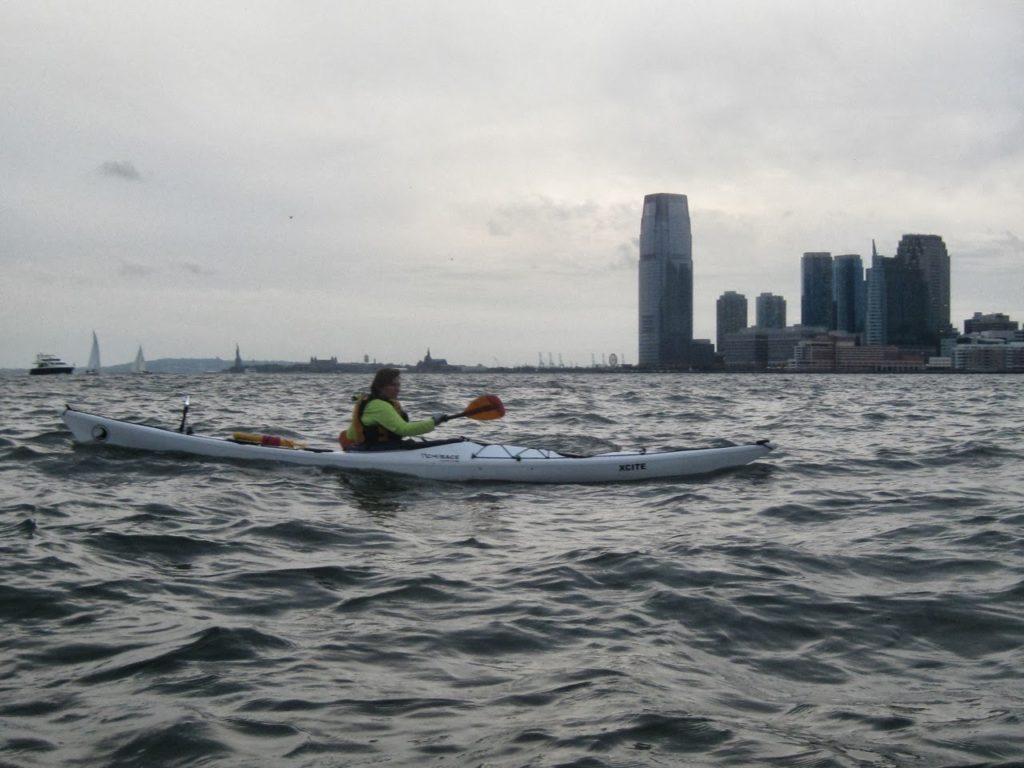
372,434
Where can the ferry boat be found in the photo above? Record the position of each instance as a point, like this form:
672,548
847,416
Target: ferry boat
49,364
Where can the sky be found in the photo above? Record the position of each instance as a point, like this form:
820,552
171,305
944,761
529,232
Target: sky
357,179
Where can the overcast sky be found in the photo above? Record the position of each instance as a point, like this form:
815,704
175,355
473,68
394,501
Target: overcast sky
376,178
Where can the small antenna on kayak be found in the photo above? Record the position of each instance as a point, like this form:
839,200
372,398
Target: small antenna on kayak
184,416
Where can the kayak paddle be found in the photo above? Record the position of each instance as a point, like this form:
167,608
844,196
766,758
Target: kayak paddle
184,417
484,408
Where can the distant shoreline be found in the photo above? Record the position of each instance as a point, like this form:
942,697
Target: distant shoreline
177,367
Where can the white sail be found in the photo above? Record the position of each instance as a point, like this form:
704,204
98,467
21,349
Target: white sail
94,356
139,366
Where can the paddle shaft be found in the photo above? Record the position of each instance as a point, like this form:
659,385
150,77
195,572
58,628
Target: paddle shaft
184,415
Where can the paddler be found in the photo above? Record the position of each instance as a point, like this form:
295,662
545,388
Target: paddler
378,420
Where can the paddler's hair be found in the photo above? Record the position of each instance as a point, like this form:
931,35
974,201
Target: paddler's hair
384,377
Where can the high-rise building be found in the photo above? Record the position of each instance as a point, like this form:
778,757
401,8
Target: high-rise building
874,300
897,306
908,295
816,290
848,293
731,310
927,253
666,282
770,310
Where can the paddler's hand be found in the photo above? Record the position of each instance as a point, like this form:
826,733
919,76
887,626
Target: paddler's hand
439,418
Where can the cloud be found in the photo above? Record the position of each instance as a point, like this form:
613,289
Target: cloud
123,169
489,161
136,270
1001,252
196,269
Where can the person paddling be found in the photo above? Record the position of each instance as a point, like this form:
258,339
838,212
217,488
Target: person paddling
378,420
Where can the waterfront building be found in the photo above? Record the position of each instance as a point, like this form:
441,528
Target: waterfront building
702,355
981,354
993,322
816,290
665,282
731,311
849,295
817,355
763,348
770,311
927,254
839,352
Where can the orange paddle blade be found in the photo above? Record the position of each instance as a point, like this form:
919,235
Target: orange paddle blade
485,408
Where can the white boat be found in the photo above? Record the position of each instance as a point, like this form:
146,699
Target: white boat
93,368
139,366
49,364
459,461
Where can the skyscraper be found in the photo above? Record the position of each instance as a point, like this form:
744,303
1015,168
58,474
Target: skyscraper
897,311
816,290
928,255
731,310
666,282
874,300
771,311
848,293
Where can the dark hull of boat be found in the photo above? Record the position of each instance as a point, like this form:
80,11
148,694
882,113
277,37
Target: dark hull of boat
50,371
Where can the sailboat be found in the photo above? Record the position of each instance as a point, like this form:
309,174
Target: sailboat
139,366
93,368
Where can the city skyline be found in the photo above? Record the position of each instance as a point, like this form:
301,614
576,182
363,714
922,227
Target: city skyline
770,309
321,181
893,317
902,300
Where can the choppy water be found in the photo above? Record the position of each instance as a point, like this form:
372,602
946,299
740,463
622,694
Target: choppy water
856,599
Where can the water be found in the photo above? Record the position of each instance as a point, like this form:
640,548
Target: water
855,599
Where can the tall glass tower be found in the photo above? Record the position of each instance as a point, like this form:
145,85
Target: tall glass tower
928,255
848,293
666,282
816,293
897,311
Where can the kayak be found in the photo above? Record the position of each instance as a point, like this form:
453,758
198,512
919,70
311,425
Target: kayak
458,461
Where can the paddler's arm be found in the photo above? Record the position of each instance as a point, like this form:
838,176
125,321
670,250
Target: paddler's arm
382,413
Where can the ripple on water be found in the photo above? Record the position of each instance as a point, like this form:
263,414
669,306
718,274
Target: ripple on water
853,599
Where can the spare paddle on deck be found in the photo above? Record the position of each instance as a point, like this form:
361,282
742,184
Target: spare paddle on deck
270,440
484,408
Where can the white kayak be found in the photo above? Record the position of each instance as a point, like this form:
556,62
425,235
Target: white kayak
454,461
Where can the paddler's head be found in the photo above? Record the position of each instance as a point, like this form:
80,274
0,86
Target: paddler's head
386,383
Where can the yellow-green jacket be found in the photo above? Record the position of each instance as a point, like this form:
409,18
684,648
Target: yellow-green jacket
376,421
